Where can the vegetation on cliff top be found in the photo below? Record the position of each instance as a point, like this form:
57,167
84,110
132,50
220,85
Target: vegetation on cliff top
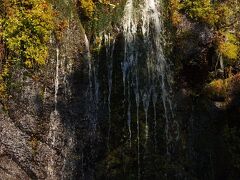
25,30
89,7
222,17
27,25
213,65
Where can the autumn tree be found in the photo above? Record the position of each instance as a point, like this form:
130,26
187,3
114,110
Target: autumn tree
25,30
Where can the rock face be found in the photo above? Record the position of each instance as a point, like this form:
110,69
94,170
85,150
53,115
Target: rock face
47,130
207,113
42,129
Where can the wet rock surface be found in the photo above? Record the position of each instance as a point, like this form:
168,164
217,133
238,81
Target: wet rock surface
49,134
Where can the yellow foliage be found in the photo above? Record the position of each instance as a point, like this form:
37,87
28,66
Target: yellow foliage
224,87
228,50
218,87
202,10
2,88
26,29
212,13
88,8
227,45
176,16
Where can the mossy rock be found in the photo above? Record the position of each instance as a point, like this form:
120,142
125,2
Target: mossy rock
221,89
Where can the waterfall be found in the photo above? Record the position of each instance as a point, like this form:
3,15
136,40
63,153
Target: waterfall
93,86
54,124
129,31
56,80
149,74
146,75
154,100
109,50
88,54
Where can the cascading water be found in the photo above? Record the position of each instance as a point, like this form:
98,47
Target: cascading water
109,50
129,31
93,86
93,106
147,74
87,45
154,100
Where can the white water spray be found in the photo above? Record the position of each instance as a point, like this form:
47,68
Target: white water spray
149,74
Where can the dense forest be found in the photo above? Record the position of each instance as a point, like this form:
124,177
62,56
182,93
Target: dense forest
120,89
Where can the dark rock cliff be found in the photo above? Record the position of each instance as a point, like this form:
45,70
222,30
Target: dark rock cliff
47,129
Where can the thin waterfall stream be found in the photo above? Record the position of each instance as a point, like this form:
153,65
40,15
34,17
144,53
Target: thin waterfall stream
54,120
109,48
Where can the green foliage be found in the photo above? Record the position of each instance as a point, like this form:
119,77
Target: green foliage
67,8
202,10
214,14
89,7
100,15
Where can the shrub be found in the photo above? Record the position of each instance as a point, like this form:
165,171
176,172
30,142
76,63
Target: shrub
87,8
26,29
